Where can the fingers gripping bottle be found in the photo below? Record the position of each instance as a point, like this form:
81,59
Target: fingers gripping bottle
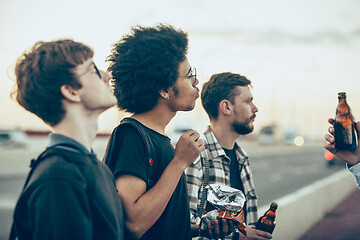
267,222
345,138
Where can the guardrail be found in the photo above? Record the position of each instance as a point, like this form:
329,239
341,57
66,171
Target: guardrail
300,211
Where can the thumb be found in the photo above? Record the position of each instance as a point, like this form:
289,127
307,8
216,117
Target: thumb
358,129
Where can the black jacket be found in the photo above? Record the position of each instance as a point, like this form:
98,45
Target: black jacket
70,195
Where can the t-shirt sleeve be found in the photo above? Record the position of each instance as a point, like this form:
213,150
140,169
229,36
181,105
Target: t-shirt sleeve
131,158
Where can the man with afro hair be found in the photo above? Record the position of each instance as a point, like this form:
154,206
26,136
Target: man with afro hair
153,80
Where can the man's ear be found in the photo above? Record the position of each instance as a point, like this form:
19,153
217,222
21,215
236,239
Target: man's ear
225,107
70,93
164,94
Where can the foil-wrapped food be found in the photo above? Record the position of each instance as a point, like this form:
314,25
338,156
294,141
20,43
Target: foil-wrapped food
224,202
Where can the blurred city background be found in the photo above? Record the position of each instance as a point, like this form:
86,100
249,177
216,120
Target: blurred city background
298,54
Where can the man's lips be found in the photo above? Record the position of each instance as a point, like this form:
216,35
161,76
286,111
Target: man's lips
197,93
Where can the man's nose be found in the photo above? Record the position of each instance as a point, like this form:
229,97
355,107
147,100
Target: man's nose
255,109
106,76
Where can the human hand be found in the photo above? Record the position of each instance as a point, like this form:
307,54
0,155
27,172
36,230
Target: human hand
189,147
218,228
351,157
253,233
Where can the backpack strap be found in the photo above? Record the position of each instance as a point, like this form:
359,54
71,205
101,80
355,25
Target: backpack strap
201,207
33,164
150,153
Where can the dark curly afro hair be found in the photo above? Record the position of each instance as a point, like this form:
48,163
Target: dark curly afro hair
145,62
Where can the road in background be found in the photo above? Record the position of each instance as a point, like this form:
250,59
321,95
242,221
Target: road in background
278,170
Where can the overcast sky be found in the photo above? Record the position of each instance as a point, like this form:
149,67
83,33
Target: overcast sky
298,54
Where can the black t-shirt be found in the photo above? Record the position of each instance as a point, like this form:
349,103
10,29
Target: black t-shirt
235,179
174,223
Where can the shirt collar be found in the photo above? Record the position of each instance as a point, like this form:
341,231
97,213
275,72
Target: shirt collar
56,139
216,150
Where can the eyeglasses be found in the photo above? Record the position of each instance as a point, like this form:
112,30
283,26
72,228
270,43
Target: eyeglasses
192,72
96,71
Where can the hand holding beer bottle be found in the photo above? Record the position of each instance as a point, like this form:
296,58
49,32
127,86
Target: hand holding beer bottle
344,134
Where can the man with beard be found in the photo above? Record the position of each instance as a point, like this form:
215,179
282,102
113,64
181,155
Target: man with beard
228,101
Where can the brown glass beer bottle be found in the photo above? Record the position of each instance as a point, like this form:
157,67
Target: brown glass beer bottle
267,222
345,138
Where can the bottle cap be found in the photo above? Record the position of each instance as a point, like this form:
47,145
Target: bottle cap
342,94
274,204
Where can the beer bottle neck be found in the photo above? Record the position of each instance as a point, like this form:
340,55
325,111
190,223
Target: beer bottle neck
271,216
342,100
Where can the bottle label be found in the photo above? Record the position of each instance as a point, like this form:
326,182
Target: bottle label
344,136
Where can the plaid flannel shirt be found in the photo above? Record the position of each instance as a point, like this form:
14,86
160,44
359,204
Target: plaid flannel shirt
219,172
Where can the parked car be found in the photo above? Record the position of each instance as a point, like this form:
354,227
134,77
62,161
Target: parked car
177,129
13,138
332,160
293,137
268,135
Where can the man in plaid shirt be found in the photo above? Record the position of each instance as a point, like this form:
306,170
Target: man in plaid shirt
228,101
